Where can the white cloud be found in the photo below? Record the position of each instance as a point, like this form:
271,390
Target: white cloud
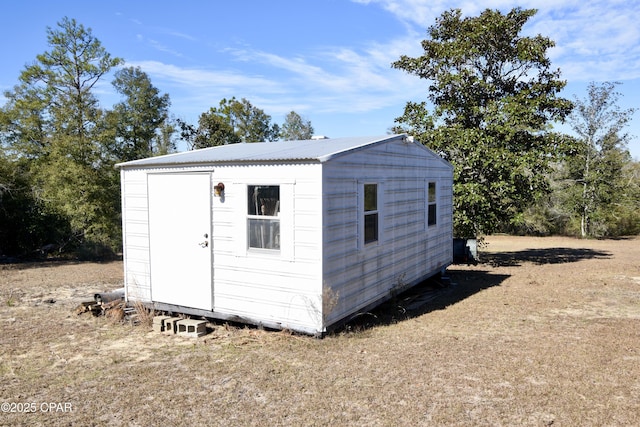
595,39
335,79
164,48
198,79
594,42
201,89
327,80
182,35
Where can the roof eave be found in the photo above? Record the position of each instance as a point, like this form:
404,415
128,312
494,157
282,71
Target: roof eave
146,165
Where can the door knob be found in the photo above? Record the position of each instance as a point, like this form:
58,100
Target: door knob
204,244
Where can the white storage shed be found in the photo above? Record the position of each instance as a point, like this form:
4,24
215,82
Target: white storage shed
299,235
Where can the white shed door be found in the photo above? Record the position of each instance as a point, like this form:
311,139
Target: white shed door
180,239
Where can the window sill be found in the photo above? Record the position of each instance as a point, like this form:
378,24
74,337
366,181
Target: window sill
267,253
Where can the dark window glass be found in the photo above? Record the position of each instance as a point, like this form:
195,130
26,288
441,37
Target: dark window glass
370,197
432,214
432,210
370,213
370,228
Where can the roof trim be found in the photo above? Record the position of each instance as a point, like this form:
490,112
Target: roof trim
265,152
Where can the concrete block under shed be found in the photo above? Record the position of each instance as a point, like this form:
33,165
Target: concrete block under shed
159,323
192,327
171,325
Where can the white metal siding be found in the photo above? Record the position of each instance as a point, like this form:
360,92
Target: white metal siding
135,228
276,288
407,248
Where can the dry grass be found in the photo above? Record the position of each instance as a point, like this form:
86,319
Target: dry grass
545,332
143,314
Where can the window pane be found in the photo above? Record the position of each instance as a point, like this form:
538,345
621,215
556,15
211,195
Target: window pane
370,228
264,233
432,214
264,200
370,197
432,192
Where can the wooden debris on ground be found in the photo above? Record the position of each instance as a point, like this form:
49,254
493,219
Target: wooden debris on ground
89,307
114,310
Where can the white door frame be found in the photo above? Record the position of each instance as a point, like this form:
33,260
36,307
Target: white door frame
180,242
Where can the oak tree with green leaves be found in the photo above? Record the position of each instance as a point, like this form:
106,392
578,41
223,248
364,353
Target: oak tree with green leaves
213,130
249,122
493,95
231,122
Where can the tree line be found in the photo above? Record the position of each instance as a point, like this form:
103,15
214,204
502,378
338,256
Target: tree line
59,190
492,99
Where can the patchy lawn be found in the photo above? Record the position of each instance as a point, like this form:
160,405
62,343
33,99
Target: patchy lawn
545,331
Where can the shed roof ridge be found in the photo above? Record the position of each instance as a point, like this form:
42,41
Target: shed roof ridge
319,150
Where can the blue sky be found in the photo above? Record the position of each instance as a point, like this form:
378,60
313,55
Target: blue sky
329,60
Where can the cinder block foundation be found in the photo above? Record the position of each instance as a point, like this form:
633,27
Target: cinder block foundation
159,323
171,325
192,327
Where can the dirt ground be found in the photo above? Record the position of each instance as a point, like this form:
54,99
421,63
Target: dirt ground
544,331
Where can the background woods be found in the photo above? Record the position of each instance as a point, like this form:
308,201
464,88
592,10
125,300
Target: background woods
493,99
59,190
491,96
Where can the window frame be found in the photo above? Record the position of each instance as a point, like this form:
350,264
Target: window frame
432,203
371,213
272,221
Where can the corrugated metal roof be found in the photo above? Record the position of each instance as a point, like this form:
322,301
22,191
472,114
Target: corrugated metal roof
319,150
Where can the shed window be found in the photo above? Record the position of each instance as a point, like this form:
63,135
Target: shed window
264,216
432,204
370,213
